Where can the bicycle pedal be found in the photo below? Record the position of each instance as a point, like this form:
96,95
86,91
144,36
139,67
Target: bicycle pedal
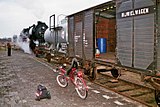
67,77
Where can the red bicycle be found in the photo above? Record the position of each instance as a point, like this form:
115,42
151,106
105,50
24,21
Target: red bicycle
76,77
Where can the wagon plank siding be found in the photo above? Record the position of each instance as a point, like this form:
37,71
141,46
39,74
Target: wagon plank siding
78,20
71,36
124,34
158,36
136,33
144,41
88,34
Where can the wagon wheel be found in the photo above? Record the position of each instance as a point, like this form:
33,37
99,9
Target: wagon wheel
62,60
90,70
93,74
69,59
157,97
48,57
115,73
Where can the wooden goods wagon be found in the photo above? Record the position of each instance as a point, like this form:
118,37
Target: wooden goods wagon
130,28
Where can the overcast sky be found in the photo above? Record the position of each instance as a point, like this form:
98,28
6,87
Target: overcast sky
18,14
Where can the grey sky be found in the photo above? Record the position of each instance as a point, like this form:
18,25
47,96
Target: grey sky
18,14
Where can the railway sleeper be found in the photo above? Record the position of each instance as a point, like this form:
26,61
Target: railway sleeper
128,89
141,94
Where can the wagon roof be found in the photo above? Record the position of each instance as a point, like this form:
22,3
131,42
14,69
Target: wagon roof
108,3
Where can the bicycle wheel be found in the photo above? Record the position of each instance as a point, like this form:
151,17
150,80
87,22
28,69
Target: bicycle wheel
81,88
61,80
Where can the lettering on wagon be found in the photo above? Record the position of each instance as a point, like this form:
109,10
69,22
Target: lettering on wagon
135,12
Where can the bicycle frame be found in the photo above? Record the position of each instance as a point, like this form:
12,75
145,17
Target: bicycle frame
72,74
76,77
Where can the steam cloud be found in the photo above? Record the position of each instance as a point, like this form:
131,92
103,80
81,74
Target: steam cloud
24,46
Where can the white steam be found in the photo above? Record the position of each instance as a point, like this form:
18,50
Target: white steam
24,46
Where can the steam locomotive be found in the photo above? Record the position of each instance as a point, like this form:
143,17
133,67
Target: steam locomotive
34,33
40,36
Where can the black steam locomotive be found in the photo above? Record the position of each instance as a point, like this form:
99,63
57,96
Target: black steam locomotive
34,33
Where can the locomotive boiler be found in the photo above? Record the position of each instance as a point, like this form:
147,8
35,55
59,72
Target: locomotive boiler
57,36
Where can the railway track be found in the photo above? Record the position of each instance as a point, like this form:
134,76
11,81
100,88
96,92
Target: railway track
136,92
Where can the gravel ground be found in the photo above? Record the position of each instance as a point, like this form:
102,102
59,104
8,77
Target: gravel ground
20,74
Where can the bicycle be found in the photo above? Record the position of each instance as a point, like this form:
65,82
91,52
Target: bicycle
76,77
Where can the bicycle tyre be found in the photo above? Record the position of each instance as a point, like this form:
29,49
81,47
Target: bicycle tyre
61,80
81,88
